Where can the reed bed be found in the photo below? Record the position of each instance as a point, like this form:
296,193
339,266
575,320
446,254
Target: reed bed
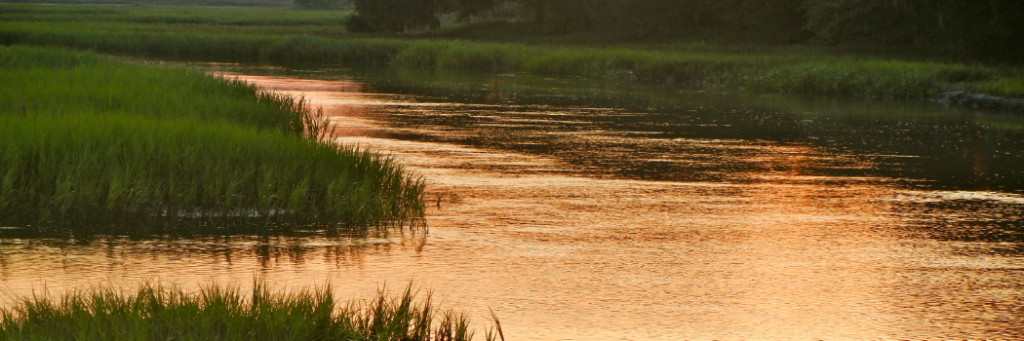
225,17
228,313
870,78
780,73
109,170
236,3
90,144
797,70
1009,87
64,82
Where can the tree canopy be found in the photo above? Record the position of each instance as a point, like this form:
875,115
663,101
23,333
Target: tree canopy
966,27
393,15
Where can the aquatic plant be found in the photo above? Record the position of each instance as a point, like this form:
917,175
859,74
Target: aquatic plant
89,144
55,82
156,312
106,170
796,69
1010,87
871,78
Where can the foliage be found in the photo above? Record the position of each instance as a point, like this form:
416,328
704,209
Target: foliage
779,21
874,79
467,8
775,68
983,28
127,20
1010,87
227,313
88,143
395,15
210,3
987,28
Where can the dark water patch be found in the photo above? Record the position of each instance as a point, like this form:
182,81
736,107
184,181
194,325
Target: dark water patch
63,255
952,217
930,146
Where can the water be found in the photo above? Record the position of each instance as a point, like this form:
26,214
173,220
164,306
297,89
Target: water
613,212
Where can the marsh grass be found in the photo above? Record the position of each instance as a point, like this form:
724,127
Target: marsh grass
1009,87
870,78
111,170
90,144
234,3
317,40
193,15
227,313
55,82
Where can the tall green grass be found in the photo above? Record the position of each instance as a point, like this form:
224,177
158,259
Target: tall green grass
1009,87
797,69
871,78
63,82
108,170
87,144
227,313
225,17
238,3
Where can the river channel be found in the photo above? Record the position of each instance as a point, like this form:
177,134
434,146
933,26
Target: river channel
606,211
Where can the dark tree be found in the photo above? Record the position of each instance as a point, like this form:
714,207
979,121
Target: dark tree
394,15
988,28
756,20
465,9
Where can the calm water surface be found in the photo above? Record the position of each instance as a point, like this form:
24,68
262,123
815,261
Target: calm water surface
614,212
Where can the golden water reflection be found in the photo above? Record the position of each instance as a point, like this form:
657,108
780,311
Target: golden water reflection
558,256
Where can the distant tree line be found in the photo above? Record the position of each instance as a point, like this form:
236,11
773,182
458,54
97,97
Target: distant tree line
975,27
980,27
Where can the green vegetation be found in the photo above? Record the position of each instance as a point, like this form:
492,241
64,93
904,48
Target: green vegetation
238,3
87,143
874,79
226,313
123,170
988,29
1009,87
261,35
393,15
193,20
64,82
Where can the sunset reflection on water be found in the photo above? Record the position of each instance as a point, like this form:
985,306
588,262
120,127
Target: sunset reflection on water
555,224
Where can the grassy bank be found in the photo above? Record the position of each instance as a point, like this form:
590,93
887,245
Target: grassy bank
226,313
797,69
233,3
1008,86
65,82
88,143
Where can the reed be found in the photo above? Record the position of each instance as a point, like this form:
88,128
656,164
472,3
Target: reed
1009,87
237,3
56,82
870,78
111,170
228,313
90,145
225,17
462,56
797,69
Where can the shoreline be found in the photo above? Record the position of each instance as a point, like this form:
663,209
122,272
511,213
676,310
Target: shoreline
981,101
269,36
